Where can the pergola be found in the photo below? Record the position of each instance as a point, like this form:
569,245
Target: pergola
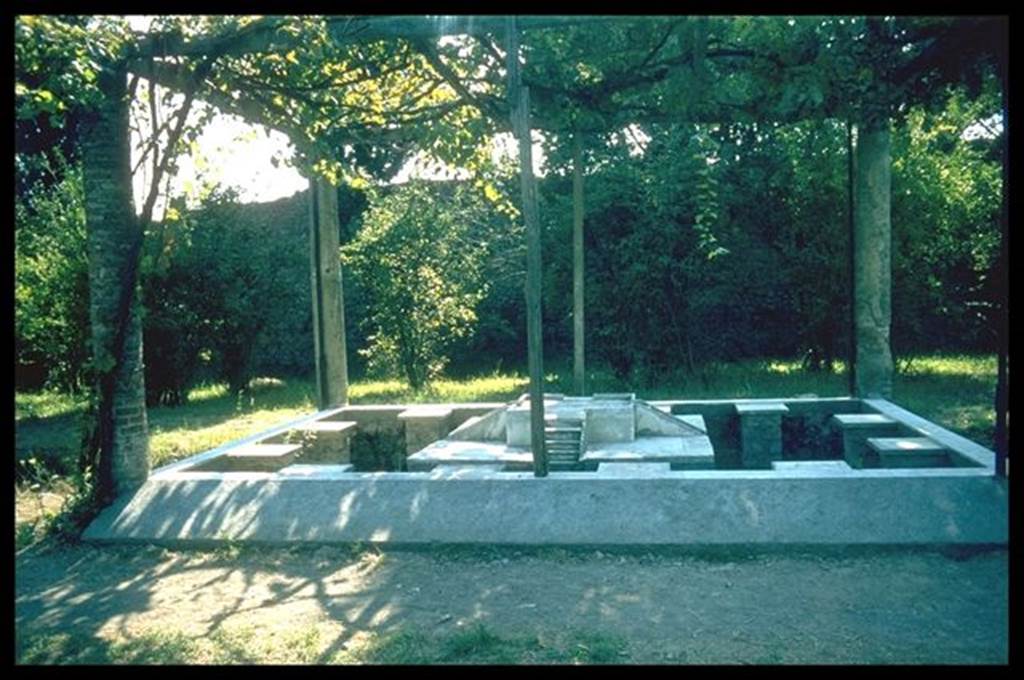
112,239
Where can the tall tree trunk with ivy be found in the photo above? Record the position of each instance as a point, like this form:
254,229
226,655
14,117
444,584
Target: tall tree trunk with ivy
114,238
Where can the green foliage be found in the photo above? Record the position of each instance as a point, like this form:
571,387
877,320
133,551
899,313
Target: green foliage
51,284
946,202
217,282
418,257
58,60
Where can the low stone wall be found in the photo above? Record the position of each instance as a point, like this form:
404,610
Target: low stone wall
875,507
795,504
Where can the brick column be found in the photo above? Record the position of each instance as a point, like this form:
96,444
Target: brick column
112,231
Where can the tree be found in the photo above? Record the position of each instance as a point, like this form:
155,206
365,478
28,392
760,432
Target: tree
51,282
419,259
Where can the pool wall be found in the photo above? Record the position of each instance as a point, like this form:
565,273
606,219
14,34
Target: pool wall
826,506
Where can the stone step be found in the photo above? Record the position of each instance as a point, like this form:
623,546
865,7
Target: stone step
761,409
848,421
856,428
322,441
909,452
424,425
252,458
694,420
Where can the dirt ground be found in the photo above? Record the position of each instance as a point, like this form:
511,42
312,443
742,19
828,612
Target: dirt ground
877,607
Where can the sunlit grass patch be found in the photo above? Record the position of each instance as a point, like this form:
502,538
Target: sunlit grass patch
73,649
207,392
309,644
171,441
968,365
479,644
47,404
495,387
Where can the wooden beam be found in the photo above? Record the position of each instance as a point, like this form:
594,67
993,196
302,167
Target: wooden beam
578,354
520,105
328,298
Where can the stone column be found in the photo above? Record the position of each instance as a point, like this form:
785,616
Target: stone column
113,238
872,237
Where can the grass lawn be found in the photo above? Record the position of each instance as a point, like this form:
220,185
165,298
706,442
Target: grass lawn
956,392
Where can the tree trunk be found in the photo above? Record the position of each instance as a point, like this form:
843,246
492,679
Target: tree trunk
114,242
328,298
872,261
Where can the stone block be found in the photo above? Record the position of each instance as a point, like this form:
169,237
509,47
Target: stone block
424,425
760,433
909,452
252,458
856,429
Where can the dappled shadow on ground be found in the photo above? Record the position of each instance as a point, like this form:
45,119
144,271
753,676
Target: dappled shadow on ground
895,607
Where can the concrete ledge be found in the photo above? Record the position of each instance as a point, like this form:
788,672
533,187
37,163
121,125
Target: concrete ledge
761,409
633,470
877,507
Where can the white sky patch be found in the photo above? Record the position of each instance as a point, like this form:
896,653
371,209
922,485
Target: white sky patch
637,140
229,152
989,128
238,154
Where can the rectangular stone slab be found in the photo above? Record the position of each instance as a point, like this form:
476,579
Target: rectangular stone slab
254,457
449,452
682,452
909,452
861,420
904,444
761,409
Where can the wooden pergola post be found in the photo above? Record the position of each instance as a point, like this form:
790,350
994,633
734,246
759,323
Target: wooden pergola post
519,101
328,299
1002,311
578,359
851,359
